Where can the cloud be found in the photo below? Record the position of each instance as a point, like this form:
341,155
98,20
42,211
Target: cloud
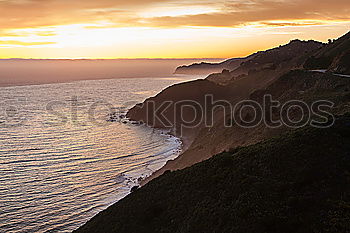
241,13
16,14
292,24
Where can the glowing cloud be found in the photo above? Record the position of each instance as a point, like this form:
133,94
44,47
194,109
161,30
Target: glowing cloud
155,28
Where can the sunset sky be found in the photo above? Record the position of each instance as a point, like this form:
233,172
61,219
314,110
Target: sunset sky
163,28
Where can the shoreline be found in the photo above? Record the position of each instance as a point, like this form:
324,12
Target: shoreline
185,144
141,181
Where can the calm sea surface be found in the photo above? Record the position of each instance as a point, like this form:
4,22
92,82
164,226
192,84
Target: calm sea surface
62,161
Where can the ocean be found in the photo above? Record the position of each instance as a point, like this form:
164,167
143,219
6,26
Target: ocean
61,158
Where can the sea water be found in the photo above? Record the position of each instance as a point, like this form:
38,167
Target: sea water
61,158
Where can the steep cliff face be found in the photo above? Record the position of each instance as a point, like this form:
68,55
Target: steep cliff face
335,56
297,85
298,182
181,105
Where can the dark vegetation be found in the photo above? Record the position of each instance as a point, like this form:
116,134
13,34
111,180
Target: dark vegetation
333,56
318,63
299,182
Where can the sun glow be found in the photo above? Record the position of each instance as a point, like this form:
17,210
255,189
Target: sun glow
103,41
160,29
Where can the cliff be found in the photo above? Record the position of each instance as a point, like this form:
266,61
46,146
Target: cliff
297,85
171,109
294,183
263,178
285,82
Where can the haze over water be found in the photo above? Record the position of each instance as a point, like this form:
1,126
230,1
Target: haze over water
60,164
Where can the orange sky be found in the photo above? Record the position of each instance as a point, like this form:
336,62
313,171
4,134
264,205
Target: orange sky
163,28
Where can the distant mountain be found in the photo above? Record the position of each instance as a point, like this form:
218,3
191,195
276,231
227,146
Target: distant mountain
335,56
206,68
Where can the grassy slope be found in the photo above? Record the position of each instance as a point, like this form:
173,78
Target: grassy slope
299,182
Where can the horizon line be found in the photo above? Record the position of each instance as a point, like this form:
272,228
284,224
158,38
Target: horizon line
191,58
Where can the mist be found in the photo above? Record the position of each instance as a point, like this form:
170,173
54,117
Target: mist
31,71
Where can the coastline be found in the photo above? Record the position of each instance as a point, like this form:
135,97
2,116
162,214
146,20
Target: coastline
185,144
224,141
139,181
179,195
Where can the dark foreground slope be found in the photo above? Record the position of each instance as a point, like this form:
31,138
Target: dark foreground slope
299,182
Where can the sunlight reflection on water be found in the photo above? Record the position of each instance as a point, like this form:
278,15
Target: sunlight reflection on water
58,168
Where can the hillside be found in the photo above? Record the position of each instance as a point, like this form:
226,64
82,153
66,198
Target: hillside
298,182
155,113
282,58
268,59
275,179
285,82
298,85
205,68
335,56
256,72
